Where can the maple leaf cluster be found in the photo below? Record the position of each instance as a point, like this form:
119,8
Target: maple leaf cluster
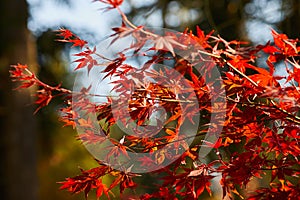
259,136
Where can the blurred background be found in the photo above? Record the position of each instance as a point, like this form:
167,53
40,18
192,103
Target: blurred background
36,152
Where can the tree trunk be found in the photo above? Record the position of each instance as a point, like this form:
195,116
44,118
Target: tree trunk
18,136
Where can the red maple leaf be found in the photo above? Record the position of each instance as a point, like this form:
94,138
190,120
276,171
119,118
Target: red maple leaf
113,3
65,33
44,98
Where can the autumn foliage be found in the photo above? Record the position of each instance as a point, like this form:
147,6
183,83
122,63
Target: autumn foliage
260,132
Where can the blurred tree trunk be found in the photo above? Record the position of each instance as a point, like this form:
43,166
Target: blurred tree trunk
18,128
290,25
